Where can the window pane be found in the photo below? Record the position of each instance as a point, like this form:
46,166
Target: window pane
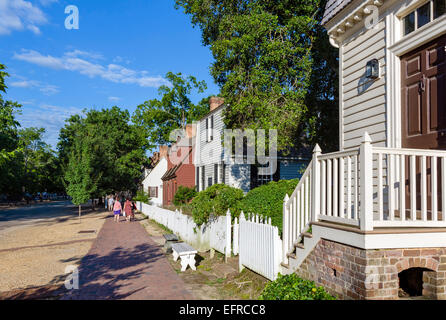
424,15
409,23
439,8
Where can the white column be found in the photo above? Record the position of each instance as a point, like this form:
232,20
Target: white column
315,185
366,183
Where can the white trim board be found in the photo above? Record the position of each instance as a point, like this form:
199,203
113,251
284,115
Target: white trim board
419,37
381,241
397,45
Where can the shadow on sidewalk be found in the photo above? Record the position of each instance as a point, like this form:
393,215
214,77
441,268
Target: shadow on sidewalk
110,276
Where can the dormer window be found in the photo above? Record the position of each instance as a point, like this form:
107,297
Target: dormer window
423,15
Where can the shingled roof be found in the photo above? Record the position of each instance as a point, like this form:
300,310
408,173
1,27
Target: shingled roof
332,8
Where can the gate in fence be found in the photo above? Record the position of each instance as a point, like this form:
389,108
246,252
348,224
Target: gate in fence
260,247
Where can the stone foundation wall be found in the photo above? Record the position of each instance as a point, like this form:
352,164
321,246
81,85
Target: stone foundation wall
353,273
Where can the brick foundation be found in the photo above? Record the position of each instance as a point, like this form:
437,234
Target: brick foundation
353,273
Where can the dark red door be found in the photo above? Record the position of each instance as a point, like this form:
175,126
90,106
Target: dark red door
423,73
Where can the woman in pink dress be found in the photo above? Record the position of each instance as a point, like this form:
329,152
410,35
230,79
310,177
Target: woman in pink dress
117,209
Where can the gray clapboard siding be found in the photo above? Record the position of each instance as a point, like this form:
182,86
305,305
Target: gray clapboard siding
364,101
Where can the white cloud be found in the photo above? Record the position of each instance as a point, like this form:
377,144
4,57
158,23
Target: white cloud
114,99
46,89
79,53
50,117
46,3
49,89
24,84
19,15
71,61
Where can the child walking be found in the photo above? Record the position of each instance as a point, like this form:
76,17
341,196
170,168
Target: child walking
117,210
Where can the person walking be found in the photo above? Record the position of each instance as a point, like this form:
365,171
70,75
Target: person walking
117,210
111,202
128,208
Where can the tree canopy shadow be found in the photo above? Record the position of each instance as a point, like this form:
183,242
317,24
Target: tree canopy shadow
102,277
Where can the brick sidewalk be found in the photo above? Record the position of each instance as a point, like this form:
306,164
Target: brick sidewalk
125,263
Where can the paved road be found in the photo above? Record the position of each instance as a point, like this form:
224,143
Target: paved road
125,263
34,214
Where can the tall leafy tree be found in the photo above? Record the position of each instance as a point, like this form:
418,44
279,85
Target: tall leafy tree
79,174
11,170
116,147
8,123
173,111
265,56
40,164
26,161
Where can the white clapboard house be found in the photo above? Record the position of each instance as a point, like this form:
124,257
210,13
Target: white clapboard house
152,182
377,208
212,167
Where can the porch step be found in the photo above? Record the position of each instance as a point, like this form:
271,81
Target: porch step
307,235
285,265
291,255
300,245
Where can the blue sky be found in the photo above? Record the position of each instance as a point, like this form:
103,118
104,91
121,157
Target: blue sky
119,56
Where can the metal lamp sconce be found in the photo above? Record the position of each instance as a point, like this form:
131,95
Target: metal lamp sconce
372,69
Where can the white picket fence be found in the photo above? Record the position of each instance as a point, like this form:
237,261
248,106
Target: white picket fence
255,240
208,236
260,246
220,229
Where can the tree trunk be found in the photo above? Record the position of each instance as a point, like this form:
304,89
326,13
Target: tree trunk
80,209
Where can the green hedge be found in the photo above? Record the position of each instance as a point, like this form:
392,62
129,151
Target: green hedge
184,195
216,199
291,287
142,196
267,200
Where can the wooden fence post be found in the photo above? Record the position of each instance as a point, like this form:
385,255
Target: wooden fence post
285,230
315,185
240,265
235,240
366,183
228,235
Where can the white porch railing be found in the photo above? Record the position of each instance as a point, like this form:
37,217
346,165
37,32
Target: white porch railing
367,188
411,188
296,212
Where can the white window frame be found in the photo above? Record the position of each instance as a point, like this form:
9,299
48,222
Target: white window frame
397,45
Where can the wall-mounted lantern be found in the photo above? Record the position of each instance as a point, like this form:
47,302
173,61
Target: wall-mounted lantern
372,71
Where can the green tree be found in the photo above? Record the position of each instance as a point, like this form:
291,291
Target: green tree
80,185
10,158
173,111
40,164
116,146
264,58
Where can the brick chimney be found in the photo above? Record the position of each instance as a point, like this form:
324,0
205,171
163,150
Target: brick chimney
191,130
154,158
163,151
215,102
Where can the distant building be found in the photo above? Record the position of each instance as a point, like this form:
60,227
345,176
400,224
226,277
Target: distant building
152,182
211,167
180,166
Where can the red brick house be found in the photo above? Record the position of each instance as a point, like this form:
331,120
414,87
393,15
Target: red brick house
180,166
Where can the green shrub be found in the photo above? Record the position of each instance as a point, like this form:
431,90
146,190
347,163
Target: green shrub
142,197
267,200
216,199
291,287
184,195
